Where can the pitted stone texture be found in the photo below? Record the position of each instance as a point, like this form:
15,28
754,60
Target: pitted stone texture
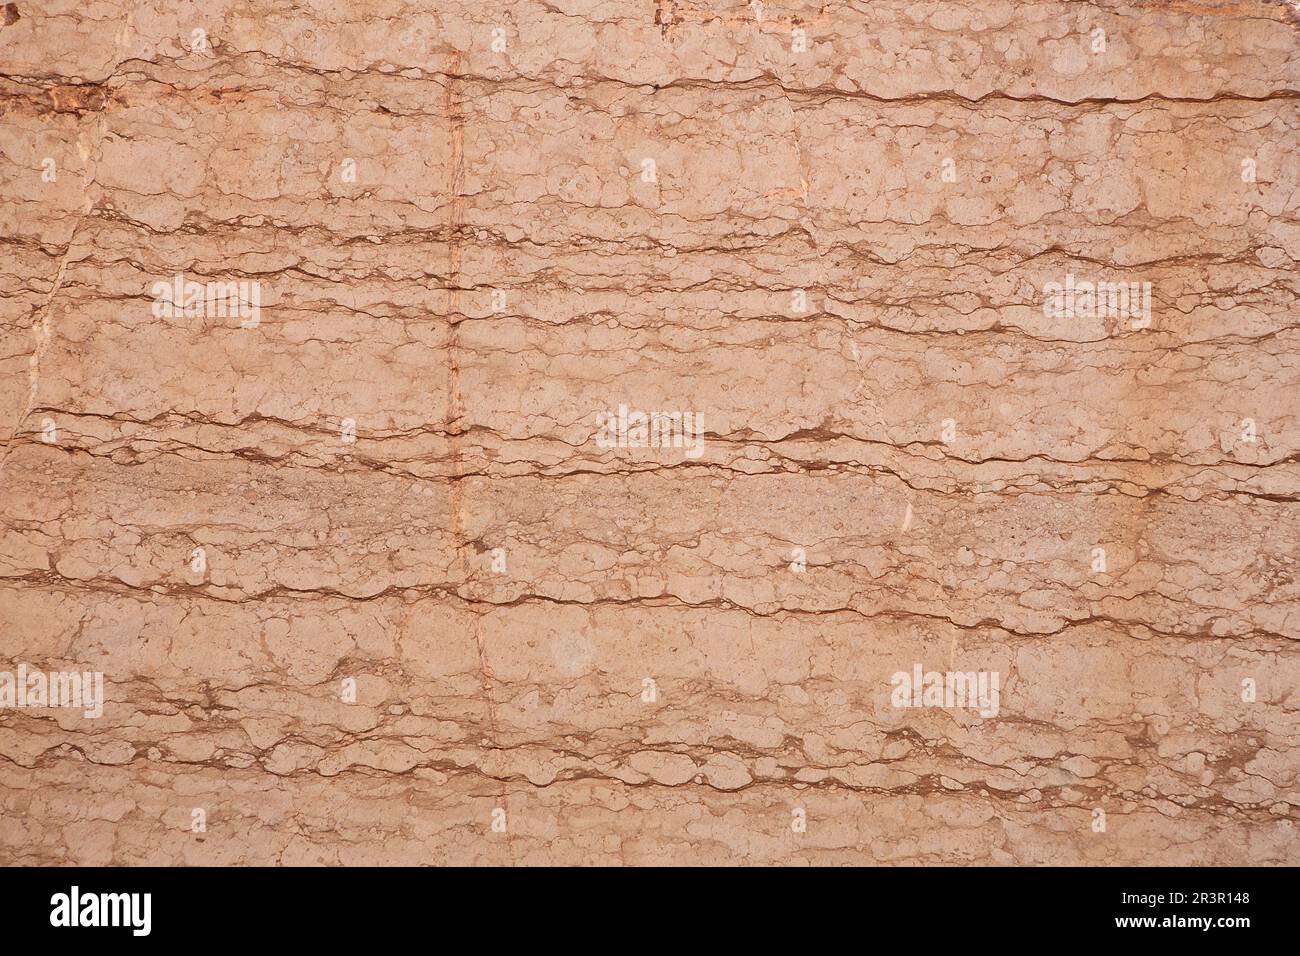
430,594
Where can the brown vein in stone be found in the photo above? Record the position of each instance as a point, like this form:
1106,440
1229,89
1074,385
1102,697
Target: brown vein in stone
455,111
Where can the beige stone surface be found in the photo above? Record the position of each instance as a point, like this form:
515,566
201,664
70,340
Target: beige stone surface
564,652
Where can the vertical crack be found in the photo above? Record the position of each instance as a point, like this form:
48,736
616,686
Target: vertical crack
453,105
